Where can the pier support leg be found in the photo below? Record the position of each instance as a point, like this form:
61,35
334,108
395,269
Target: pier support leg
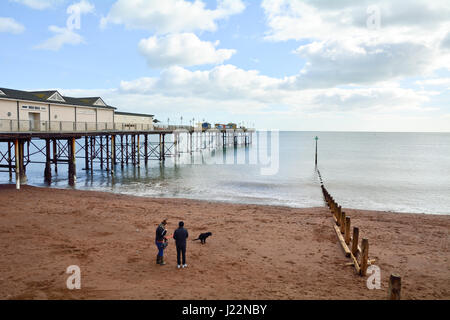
55,155
72,164
101,152
114,151
17,157
138,150
74,159
175,145
48,169
133,149
146,149
23,175
121,151
92,154
160,148
126,151
107,153
113,154
9,161
164,147
86,153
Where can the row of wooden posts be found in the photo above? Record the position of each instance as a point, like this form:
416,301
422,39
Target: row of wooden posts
350,243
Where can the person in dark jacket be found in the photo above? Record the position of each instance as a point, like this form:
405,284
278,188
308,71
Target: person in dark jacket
160,241
180,235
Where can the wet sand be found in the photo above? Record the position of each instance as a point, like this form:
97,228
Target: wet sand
256,252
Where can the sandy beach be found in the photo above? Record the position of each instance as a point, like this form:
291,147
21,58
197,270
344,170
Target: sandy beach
256,252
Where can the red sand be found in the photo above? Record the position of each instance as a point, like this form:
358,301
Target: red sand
256,252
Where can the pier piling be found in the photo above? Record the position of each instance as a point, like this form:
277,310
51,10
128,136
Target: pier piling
100,149
113,154
86,153
9,161
55,155
17,156
48,169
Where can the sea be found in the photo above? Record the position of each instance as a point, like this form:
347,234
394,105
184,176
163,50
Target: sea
399,172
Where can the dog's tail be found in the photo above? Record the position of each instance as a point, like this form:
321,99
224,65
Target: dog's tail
196,239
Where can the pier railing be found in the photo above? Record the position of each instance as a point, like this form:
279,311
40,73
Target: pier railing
13,126
32,126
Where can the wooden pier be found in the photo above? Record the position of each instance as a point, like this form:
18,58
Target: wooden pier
107,148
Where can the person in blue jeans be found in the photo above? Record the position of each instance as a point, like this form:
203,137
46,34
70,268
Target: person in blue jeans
180,235
160,241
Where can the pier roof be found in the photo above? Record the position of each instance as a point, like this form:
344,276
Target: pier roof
54,97
134,114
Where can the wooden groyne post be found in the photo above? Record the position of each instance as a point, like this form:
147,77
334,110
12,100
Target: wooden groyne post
342,227
395,285
364,256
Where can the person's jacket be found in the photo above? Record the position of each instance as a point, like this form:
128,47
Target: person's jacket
160,233
180,235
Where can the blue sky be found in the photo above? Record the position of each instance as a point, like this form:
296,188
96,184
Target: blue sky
278,64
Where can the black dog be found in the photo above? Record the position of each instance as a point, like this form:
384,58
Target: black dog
203,237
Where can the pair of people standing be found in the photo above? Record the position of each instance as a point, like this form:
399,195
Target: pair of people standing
180,235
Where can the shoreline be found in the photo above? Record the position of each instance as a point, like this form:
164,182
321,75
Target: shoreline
224,202
256,251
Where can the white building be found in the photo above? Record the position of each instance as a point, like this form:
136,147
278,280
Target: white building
50,111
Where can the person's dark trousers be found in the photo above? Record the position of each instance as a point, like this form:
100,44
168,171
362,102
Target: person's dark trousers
181,250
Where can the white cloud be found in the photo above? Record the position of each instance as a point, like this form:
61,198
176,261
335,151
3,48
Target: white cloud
63,36
340,49
82,7
401,20
222,82
434,82
184,49
228,93
445,44
10,25
229,83
335,63
170,16
39,4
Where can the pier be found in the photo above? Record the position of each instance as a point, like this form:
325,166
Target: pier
48,128
105,145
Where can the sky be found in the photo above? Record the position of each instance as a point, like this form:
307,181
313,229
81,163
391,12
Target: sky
307,65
